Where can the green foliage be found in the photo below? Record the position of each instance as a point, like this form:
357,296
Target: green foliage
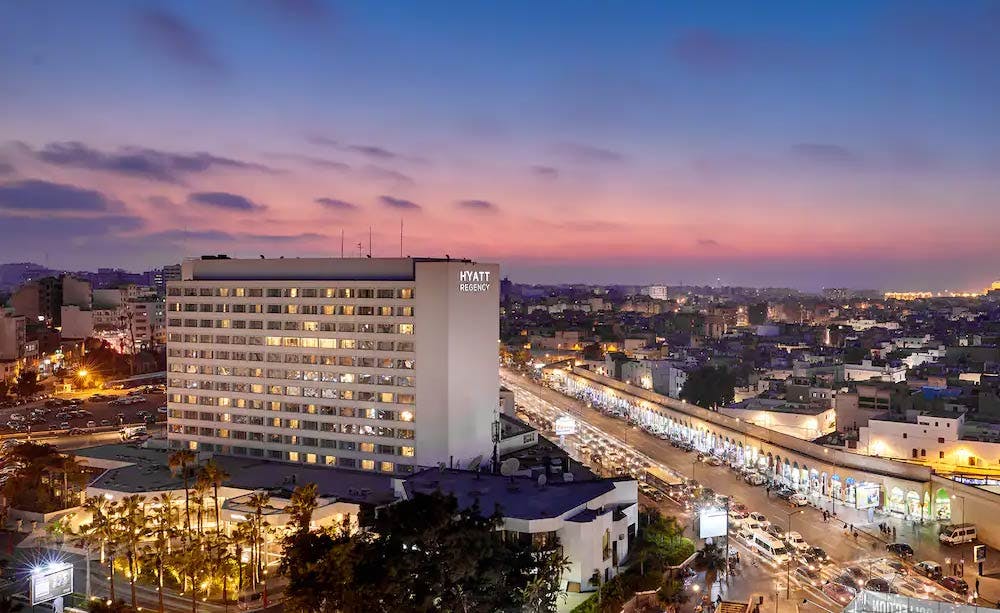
423,554
710,386
45,480
26,383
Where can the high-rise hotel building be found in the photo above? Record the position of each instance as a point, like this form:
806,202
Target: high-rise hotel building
373,364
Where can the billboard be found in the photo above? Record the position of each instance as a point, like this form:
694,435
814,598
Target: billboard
50,582
565,425
712,523
979,553
868,495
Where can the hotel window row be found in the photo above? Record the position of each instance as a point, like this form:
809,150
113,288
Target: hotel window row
401,293
349,310
307,326
351,344
405,415
295,375
290,358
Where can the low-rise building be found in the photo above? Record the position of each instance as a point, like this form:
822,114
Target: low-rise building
866,371
806,422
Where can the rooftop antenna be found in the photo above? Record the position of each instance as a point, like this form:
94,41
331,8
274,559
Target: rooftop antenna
401,236
341,242
369,241
360,253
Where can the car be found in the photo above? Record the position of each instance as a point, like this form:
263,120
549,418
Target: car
848,580
819,554
798,500
16,417
784,493
76,431
755,479
858,573
713,461
64,425
162,410
796,542
878,584
809,575
841,594
745,533
929,569
759,520
955,584
894,566
91,424
900,549
775,532
105,422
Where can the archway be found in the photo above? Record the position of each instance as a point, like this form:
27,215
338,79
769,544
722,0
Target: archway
912,505
942,505
896,503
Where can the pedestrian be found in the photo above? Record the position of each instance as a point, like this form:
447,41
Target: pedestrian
738,561
894,533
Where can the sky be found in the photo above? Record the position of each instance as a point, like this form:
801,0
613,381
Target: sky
803,144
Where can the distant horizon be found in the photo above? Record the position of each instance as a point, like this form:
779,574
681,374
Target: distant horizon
530,278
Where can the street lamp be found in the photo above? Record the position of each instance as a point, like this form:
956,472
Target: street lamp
788,558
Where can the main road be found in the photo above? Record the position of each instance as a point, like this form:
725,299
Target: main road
831,536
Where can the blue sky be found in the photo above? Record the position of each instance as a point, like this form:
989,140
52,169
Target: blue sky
799,143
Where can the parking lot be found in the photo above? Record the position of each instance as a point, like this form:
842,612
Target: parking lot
81,412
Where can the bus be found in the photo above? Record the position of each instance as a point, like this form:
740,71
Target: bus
662,480
772,549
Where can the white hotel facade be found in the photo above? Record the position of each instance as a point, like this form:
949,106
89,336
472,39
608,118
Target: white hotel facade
383,364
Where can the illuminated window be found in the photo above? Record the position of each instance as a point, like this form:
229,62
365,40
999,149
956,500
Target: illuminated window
406,328
293,456
311,458
329,460
387,467
310,326
367,447
406,451
367,464
406,416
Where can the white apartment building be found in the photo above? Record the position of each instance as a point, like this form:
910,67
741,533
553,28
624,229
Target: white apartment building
657,292
377,364
866,371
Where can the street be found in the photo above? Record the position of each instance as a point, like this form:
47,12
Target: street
861,552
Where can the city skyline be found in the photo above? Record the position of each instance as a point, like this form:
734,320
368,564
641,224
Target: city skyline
787,146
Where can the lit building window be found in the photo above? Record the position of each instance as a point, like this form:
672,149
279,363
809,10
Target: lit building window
293,456
367,464
406,452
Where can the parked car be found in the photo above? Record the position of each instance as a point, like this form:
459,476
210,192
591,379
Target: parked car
784,493
796,542
758,520
162,410
775,532
713,461
900,549
878,584
755,478
839,593
929,569
848,580
955,584
91,424
798,499
105,422
809,575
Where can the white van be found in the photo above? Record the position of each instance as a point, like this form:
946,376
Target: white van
957,534
772,549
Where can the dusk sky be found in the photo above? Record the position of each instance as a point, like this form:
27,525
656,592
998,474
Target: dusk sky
803,143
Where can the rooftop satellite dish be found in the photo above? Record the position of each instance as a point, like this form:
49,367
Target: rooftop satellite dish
475,462
509,466
542,480
441,466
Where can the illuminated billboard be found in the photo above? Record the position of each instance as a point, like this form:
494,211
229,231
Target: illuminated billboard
50,582
712,523
868,495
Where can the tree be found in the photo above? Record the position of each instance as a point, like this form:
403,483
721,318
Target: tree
26,383
422,554
662,542
710,386
45,481
182,460
258,501
132,520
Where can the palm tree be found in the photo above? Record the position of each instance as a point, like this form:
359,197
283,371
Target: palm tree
258,501
301,506
133,528
182,459
214,475
98,507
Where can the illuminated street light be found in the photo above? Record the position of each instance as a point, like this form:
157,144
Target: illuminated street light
82,372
